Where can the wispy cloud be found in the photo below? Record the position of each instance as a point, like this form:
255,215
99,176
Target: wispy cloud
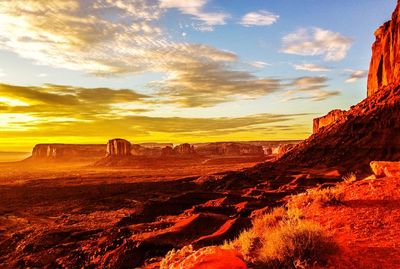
82,35
208,84
316,41
55,110
195,8
356,75
259,18
309,88
259,64
311,68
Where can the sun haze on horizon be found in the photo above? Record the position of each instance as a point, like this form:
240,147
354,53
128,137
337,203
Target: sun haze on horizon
79,71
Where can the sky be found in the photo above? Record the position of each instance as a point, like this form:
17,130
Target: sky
77,71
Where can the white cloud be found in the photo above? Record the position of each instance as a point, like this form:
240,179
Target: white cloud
259,18
316,41
259,64
311,68
2,74
42,75
195,9
356,75
108,38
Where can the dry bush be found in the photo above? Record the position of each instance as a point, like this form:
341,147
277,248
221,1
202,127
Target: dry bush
283,239
322,197
319,197
175,257
349,178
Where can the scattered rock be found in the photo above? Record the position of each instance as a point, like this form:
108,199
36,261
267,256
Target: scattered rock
385,169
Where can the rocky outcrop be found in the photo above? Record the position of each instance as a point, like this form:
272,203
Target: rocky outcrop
145,151
229,149
181,151
328,119
385,63
67,152
168,151
118,147
283,149
185,149
385,169
369,130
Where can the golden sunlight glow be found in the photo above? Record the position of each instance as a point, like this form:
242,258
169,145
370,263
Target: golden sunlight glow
12,102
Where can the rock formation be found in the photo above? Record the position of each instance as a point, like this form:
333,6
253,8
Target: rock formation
369,130
385,63
386,169
181,151
283,149
67,152
229,149
168,151
118,147
185,149
145,151
327,120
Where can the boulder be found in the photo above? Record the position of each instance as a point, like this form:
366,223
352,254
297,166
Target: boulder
328,119
118,147
385,62
385,169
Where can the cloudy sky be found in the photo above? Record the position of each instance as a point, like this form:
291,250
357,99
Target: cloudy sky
179,71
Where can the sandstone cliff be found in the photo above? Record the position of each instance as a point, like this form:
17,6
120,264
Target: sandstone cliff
67,152
118,147
370,130
327,120
385,63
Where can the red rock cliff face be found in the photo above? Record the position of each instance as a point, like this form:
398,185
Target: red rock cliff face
385,63
118,147
328,119
68,152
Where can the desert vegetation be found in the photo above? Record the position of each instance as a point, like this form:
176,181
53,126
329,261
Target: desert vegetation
283,238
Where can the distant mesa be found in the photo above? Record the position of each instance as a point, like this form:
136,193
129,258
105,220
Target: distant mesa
118,147
385,62
121,152
229,149
67,152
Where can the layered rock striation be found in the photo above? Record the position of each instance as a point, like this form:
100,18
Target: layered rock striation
385,62
328,119
67,152
229,149
118,147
